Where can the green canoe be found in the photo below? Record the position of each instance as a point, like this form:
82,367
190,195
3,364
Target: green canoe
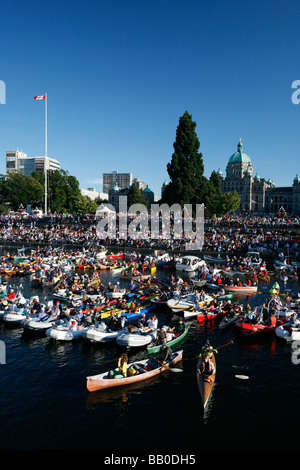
155,348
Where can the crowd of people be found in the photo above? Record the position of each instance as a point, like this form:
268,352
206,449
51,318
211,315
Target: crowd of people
235,233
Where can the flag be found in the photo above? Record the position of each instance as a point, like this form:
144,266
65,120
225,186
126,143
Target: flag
40,97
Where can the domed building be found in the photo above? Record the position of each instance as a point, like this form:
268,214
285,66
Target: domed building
257,194
239,177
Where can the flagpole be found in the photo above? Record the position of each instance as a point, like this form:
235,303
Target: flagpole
46,151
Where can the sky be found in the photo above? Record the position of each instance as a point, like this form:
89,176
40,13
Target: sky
119,74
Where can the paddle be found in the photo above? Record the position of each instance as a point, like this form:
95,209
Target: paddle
172,369
243,377
104,363
219,347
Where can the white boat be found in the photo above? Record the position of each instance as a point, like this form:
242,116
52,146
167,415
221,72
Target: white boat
136,339
199,282
189,263
255,258
115,294
33,323
288,332
188,302
101,254
65,332
14,317
216,259
102,334
240,289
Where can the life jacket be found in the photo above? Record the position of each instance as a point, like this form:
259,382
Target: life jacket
273,320
205,366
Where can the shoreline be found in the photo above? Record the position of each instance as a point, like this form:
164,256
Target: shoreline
267,257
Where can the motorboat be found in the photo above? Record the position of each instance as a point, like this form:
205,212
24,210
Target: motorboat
288,332
36,324
135,339
189,263
67,331
100,333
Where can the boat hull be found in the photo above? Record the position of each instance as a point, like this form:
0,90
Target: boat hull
205,387
157,348
241,289
102,381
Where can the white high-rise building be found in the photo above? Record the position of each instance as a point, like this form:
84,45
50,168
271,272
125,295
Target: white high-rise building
19,161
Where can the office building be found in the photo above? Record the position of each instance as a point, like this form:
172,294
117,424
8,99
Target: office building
122,180
19,161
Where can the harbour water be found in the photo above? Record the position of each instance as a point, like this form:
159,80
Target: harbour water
45,404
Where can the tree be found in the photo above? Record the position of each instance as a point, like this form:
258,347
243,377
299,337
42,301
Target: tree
17,188
230,202
63,192
214,199
187,184
136,196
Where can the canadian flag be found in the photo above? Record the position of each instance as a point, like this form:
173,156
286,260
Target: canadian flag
40,97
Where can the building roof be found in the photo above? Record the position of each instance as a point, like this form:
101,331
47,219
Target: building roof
239,156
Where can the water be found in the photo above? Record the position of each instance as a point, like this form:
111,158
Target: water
45,404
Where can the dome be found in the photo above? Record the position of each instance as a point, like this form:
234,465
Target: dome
257,177
239,156
219,172
147,190
116,187
296,179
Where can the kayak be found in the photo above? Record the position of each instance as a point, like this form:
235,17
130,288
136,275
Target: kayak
205,387
227,321
145,369
155,348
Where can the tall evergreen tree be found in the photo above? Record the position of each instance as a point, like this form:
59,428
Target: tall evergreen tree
187,184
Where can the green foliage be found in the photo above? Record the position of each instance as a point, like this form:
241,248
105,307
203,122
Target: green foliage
187,183
136,196
17,189
63,193
217,203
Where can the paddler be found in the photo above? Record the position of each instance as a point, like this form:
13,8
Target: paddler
206,368
207,350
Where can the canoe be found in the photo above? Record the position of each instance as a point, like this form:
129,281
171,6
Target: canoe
147,368
240,289
227,321
205,388
155,348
